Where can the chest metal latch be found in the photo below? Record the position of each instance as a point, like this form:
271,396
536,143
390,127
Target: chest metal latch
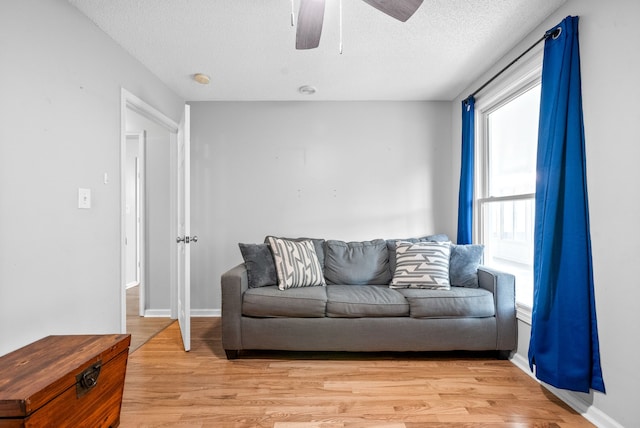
88,379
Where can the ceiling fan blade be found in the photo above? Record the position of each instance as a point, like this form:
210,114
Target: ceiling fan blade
310,17
399,9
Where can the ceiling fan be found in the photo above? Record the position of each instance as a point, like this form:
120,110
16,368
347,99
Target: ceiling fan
311,15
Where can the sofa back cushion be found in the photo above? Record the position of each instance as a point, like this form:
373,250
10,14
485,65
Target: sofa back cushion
357,263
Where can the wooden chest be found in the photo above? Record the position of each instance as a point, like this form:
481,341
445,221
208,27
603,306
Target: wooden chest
64,381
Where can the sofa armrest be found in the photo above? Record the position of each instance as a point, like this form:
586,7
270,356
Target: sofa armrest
503,287
233,284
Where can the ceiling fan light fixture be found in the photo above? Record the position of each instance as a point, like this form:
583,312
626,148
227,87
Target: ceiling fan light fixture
311,17
307,90
201,78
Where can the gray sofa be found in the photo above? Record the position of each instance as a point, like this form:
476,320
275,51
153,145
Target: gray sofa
358,311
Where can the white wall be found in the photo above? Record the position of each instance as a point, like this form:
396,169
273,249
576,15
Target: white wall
335,170
610,64
60,107
159,239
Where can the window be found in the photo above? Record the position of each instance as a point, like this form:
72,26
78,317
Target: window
508,135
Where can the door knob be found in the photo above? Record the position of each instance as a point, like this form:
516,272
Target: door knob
187,239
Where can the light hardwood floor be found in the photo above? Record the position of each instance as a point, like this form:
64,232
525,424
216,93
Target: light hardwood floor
141,328
167,387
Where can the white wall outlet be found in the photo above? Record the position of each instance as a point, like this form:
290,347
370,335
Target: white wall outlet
84,198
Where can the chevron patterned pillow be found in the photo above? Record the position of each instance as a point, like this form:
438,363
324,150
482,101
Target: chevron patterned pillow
422,265
297,263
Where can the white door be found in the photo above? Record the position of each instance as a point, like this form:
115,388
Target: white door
184,238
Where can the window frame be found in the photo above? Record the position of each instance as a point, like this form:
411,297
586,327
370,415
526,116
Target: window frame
509,86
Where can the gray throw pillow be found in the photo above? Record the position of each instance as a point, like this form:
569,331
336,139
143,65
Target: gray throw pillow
357,263
261,270
463,266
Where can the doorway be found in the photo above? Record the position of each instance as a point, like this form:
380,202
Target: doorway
147,227
134,205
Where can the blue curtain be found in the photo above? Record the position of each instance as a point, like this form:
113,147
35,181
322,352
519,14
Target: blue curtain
564,336
465,196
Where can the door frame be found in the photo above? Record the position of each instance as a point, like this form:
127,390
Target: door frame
132,102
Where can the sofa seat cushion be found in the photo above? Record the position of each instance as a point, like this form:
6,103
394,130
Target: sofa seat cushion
356,301
454,303
270,302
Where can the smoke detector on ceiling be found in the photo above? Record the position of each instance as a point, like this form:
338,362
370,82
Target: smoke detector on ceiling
307,90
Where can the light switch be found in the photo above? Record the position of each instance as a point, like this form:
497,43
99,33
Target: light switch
84,198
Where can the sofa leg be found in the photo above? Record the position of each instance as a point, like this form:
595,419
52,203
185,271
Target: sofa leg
504,354
232,354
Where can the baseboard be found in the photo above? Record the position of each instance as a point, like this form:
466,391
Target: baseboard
206,313
157,313
589,412
166,313
523,313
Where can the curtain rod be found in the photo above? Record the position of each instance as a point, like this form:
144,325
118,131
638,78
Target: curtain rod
551,33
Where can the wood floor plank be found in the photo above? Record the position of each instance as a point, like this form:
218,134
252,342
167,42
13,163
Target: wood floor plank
167,387
141,328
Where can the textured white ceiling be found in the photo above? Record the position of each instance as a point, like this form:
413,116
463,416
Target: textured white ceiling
248,46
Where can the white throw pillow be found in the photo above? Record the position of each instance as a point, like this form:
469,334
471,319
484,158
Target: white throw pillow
422,265
297,263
